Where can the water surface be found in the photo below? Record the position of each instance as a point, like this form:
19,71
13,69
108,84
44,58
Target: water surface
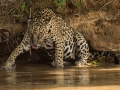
44,77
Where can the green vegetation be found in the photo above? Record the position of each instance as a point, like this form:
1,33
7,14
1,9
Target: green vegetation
77,4
59,3
14,12
95,62
22,7
30,1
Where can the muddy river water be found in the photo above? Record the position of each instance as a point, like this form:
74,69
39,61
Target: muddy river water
44,77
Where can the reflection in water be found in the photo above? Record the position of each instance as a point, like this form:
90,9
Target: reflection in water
30,77
14,78
76,78
56,77
70,77
11,77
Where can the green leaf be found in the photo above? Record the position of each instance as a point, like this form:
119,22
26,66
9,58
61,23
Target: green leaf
95,62
64,1
59,3
22,7
30,1
77,4
13,12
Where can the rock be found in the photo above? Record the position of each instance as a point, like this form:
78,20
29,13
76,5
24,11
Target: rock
100,29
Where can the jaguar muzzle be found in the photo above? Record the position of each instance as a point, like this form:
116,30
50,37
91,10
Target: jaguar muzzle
35,42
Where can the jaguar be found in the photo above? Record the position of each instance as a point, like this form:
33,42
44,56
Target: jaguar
45,25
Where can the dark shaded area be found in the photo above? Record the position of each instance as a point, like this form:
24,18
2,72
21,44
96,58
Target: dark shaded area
4,44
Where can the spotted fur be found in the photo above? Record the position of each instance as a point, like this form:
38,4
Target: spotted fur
99,54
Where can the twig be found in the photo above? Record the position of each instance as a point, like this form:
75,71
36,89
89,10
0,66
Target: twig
104,5
29,19
97,2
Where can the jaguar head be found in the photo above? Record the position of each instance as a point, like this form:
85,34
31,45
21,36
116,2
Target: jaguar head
35,38
41,24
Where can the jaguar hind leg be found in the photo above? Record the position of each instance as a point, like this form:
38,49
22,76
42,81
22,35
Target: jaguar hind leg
82,56
81,62
82,50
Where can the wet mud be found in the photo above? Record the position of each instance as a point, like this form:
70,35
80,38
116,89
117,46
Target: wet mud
44,77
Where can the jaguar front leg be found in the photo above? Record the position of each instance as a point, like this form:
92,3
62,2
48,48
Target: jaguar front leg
23,46
59,49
